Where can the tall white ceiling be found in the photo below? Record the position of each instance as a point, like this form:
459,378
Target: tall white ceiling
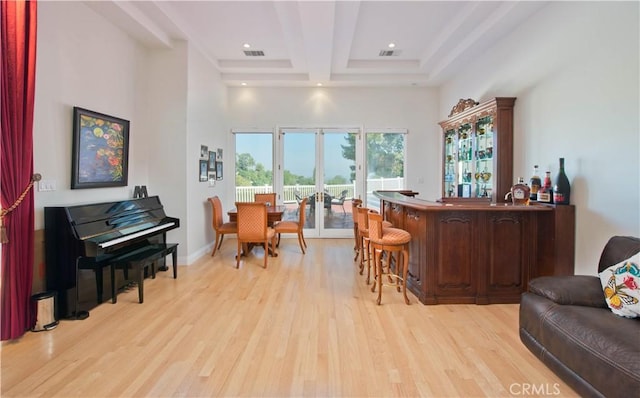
335,43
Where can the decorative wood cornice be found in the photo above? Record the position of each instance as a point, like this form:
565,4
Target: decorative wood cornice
474,112
463,105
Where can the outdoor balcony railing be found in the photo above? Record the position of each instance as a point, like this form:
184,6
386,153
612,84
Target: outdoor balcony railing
246,193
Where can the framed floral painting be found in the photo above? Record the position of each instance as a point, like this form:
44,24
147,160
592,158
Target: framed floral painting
100,156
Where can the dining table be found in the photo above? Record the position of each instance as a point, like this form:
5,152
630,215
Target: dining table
274,214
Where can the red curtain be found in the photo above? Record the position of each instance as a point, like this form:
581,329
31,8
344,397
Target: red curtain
17,67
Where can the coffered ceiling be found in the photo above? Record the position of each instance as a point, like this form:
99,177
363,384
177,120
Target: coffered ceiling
333,43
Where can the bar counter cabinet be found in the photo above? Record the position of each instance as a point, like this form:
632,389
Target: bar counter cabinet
480,252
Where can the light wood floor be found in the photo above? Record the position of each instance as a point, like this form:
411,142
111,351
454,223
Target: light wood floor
308,325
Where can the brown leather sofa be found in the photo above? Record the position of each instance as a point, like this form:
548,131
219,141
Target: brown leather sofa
565,322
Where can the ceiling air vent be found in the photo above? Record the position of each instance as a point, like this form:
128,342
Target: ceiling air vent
389,53
254,53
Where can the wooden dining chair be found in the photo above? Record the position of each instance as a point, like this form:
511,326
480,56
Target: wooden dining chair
252,228
294,227
269,198
220,227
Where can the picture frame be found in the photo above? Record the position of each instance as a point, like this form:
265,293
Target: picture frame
212,160
218,170
203,170
100,154
204,152
219,155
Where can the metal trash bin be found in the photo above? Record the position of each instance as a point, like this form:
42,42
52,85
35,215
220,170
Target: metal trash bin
45,307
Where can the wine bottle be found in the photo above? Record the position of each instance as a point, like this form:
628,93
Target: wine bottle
561,187
545,194
535,183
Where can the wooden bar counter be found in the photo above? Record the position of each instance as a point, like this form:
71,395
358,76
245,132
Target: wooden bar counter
482,253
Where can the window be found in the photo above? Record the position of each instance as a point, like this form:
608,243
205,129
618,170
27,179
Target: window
385,154
254,164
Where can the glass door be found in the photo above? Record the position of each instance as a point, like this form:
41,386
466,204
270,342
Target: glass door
319,164
339,181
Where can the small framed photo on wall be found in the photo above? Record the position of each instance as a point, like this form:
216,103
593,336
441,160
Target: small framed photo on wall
218,170
212,161
204,169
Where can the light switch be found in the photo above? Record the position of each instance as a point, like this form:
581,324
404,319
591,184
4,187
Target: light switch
46,185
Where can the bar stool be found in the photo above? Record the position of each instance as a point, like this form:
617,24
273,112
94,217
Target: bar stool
355,204
363,238
390,240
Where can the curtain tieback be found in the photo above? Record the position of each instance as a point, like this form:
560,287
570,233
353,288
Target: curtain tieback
3,230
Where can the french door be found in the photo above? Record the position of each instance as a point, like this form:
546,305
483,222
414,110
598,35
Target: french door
320,164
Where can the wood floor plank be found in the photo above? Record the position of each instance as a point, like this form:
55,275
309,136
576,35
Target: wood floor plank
308,325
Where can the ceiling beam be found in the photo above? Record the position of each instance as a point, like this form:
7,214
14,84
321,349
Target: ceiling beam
287,12
448,35
317,20
183,27
471,39
346,22
134,22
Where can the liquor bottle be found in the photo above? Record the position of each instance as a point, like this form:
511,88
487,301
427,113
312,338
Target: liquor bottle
535,182
520,193
561,187
545,194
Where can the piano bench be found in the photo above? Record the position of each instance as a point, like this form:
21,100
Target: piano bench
139,261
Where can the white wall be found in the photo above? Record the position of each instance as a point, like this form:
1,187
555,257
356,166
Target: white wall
412,108
206,125
81,61
574,68
162,108
173,99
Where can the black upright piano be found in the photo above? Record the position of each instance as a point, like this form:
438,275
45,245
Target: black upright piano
81,242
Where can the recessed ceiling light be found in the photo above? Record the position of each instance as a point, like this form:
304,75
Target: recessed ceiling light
318,84
243,84
246,45
392,45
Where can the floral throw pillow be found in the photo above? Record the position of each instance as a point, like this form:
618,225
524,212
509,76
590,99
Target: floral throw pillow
621,285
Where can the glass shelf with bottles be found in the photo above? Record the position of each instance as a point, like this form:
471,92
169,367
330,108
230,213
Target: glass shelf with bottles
465,161
478,144
468,160
483,161
450,156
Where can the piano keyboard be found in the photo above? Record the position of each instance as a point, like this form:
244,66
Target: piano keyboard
112,242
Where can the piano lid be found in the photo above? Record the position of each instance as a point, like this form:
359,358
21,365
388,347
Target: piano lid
101,222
